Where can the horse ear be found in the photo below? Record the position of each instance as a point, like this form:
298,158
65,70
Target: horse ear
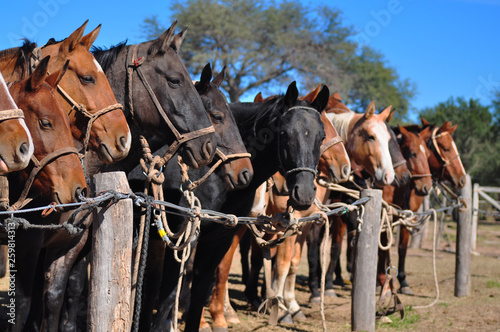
452,129
54,78
178,39
206,77
69,44
39,75
291,94
336,95
370,111
386,114
425,133
219,78
445,126
162,43
403,130
258,98
312,95
424,122
89,38
321,99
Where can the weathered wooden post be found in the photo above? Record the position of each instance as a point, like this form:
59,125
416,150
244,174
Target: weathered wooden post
463,255
475,214
110,267
365,264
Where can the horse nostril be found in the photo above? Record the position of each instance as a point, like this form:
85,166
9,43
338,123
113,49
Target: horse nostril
80,193
208,149
123,142
462,181
425,190
245,177
345,172
23,149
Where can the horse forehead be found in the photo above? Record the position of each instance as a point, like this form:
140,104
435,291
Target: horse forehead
379,129
422,149
99,69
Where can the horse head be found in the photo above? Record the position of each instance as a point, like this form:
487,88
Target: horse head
236,167
16,147
96,118
444,159
56,172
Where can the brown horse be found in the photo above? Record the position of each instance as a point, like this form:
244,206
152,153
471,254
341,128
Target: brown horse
16,146
56,174
334,164
415,151
445,165
96,119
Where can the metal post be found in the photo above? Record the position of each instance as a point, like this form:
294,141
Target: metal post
475,213
463,256
365,264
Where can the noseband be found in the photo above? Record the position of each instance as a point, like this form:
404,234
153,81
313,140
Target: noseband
34,61
134,64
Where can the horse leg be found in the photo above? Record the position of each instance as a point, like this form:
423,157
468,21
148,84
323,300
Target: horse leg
204,271
27,249
404,239
216,306
337,231
256,261
283,261
245,244
383,261
313,241
59,262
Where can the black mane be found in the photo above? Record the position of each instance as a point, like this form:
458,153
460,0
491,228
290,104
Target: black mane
107,56
23,53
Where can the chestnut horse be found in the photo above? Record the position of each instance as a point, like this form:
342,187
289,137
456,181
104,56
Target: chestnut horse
16,146
334,164
445,165
55,175
96,119
415,151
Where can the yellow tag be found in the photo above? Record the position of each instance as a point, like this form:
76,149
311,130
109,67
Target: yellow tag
162,233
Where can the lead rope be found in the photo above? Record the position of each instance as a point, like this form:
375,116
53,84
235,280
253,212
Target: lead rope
324,248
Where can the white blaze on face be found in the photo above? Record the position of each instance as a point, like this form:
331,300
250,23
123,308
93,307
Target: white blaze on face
456,151
259,203
422,149
99,69
382,136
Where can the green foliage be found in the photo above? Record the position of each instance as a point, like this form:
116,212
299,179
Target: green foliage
408,322
476,136
493,284
267,44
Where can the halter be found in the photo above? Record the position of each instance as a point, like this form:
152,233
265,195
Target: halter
38,166
14,113
134,65
34,60
434,138
302,168
328,144
399,163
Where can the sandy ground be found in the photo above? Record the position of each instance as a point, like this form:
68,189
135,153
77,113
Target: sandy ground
478,312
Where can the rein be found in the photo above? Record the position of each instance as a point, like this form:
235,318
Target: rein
34,60
38,166
134,64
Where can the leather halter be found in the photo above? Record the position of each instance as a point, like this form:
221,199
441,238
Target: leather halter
134,64
37,167
14,113
34,61
328,144
300,168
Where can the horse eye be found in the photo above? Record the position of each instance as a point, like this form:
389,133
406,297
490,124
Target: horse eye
174,82
217,117
87,79
45,124
371,138
413,155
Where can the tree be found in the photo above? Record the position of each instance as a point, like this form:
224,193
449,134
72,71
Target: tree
476,136
266,44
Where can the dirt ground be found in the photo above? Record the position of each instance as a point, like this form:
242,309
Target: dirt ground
478,312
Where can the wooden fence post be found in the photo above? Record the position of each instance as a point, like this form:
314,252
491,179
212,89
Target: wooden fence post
365,264
110,267
475,214
463,255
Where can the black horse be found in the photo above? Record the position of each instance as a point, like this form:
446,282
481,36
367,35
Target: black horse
283,134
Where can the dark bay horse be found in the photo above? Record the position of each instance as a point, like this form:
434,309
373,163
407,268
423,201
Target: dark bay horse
16,146
445,165
283,134
55,175
97,122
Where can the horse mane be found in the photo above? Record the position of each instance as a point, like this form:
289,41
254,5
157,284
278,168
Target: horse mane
341,123
21,54
107,56
270,112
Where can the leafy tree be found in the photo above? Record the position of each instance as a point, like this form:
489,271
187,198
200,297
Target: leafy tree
476,136
266,44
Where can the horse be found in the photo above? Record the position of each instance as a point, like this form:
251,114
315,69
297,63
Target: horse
16,147
282,134
236,172
55,175
445,165
416,152
97,122
334,165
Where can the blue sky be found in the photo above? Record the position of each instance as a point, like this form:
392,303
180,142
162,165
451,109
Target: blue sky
446,47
